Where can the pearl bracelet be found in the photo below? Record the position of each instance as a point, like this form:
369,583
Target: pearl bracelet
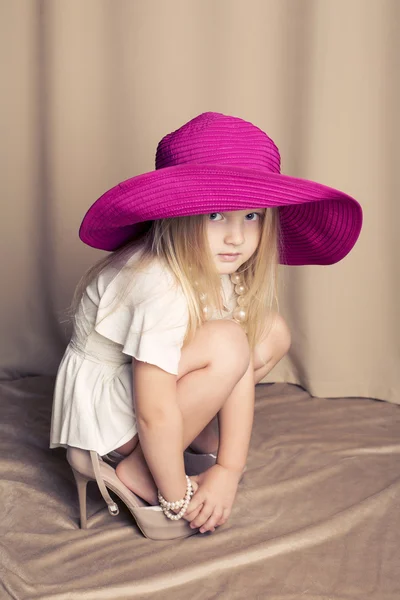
182,504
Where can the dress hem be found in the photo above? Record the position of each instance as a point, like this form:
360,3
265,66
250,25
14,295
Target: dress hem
103,450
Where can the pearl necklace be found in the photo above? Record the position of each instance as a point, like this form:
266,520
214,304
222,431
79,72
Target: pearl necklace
239,314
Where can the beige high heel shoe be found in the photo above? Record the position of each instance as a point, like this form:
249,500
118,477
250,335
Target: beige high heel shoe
88,466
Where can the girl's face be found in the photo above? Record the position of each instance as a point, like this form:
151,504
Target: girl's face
234,237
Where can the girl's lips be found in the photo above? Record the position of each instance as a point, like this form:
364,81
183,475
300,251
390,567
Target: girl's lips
228,257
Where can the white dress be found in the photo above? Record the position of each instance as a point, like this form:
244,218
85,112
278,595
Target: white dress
93,396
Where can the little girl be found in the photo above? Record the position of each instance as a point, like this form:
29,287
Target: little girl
154,396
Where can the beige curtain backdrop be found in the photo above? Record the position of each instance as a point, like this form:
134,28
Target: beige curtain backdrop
90,87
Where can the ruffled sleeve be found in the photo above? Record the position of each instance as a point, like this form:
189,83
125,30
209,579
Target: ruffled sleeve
151,319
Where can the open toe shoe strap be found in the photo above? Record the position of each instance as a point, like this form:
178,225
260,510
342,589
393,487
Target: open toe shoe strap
112,507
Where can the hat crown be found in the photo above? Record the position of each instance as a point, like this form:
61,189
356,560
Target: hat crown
217,139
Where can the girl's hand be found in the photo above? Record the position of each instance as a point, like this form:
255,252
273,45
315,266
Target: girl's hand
211,504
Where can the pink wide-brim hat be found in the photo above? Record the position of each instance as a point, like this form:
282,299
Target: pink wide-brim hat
217,163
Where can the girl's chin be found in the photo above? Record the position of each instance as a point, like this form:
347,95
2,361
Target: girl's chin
226,271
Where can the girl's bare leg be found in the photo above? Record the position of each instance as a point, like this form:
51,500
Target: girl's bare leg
210,368
208,439
266,355
197,382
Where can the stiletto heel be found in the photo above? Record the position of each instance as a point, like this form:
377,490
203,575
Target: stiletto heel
81,484
89,466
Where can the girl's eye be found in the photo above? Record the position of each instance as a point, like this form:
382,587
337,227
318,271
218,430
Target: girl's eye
254,214
213,215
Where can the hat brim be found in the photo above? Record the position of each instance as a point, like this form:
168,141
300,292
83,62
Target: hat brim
319,224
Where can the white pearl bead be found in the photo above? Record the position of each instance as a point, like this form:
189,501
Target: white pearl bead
241,301
236,278
240,289
239,314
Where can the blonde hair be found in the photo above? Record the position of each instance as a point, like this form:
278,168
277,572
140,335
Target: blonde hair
181,244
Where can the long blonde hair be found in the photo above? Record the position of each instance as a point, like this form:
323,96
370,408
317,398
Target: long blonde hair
181,244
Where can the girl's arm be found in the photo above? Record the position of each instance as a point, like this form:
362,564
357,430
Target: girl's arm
160,427
235,420
212,503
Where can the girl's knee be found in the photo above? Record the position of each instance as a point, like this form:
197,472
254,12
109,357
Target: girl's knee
229,344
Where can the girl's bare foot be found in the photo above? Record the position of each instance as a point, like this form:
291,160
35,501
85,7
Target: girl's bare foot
134,473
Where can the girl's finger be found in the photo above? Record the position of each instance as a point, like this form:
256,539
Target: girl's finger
224,517
196,501
203,516
212,522
189,516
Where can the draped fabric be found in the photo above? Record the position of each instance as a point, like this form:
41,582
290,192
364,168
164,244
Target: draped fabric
89,88
316,514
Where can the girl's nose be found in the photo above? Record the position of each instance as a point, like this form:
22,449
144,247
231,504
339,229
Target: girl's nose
234,235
